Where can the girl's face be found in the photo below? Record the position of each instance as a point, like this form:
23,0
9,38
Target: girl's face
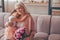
20,9
15,14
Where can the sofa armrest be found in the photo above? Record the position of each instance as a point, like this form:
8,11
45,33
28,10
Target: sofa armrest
41,36
1,32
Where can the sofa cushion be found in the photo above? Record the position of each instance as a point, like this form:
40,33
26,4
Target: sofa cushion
41,36
6,17
35,21
55,25
43,23
54,37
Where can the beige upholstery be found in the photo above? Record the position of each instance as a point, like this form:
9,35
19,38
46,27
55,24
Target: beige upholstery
54,37
35,21
43,23
55,25
55,28
41,36
1,20
42,26
6,17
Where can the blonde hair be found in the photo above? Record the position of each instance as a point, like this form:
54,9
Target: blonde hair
21,4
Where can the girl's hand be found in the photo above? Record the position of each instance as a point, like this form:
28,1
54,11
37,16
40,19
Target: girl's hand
8,24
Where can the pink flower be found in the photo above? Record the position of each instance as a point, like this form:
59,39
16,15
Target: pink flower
19,32
18,35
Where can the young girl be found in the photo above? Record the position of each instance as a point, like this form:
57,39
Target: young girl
10,27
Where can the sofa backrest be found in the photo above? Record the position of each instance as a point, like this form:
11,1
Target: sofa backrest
43,23
1,20
35,21
6,17
55,25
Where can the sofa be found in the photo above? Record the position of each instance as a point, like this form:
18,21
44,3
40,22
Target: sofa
47,27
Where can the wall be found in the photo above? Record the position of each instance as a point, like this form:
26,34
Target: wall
34,9
9,5
37,8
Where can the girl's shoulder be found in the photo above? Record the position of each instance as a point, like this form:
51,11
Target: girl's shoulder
11,17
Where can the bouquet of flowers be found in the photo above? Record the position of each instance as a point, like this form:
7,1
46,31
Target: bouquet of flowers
19,33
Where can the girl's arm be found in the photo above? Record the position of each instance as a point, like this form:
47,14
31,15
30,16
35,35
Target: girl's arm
19,19
10,22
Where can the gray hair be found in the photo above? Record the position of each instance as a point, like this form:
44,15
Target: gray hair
21,4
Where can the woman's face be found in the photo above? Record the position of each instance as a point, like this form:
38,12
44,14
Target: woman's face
20,9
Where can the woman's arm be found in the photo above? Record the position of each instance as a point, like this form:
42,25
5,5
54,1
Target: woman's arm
32,29
31,25
22,19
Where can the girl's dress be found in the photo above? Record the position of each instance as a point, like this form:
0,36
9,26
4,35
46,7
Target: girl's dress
9,31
